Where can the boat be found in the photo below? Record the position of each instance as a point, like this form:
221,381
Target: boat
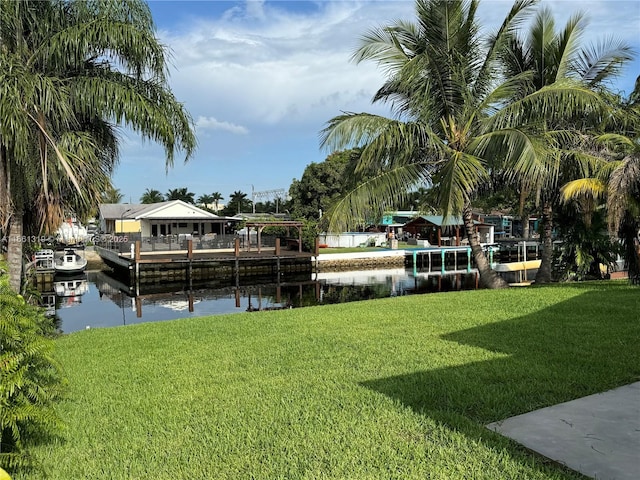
70,262
71,232
518,273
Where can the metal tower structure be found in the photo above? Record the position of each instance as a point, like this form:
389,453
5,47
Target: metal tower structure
276,194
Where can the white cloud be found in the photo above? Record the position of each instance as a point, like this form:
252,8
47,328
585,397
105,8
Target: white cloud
268,66
210,123
260,64
276,72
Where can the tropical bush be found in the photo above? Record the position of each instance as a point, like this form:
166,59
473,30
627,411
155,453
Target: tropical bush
30,380
587,251
309,235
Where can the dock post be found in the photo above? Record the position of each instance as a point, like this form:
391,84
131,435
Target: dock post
237,262
190,257
468,259
190,300
137,258
442,265
524,253
138,301
415,263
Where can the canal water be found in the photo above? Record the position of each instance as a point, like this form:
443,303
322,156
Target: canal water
97,299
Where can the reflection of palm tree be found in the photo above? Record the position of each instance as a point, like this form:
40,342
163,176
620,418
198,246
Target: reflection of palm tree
217,196
238,198
74,71
151,195
180,194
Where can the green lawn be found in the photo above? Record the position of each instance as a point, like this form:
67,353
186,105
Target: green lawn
385,389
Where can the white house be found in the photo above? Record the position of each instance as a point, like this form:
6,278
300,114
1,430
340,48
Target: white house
174,217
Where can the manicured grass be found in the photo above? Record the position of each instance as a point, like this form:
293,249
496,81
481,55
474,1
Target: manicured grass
395,388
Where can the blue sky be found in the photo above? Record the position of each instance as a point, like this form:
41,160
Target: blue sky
261,79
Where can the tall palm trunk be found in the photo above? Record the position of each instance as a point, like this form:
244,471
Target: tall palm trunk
544,272
14,251
5,199
488,277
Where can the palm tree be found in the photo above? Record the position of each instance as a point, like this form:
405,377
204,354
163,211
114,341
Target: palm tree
216,197
238,198
453,115
553,56
205,200
617,178
151,195
112,195
71,71
180,194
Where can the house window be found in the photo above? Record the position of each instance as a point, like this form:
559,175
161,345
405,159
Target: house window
182,225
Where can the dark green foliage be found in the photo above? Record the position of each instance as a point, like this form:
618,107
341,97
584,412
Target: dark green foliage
629,234
151,195
309,235
30,380
321,184
238,203
586,246
180,194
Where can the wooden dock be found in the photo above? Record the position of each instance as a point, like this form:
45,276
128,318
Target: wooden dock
192,265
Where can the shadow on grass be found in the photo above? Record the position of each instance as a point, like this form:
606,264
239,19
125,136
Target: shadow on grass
574,348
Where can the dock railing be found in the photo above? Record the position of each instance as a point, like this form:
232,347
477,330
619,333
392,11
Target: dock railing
167,243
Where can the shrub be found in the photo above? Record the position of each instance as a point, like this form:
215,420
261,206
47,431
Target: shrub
30,380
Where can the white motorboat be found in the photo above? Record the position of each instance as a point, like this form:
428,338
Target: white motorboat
70,262
71,232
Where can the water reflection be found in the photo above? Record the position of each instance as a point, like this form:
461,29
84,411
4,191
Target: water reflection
98,299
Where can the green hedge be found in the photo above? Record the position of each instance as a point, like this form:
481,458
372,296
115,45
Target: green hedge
30,380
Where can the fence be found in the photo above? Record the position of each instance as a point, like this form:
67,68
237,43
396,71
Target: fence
123,243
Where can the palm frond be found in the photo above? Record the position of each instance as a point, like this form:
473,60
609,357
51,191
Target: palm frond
602,60
352,130
565,47
591,187
370,198
456,181
556,104
497,43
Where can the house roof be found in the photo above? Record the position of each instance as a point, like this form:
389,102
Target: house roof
171,210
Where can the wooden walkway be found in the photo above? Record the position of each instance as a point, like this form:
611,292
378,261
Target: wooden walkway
198,263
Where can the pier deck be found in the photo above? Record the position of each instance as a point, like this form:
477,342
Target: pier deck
204,263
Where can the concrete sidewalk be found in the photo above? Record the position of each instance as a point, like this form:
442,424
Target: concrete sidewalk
598,435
